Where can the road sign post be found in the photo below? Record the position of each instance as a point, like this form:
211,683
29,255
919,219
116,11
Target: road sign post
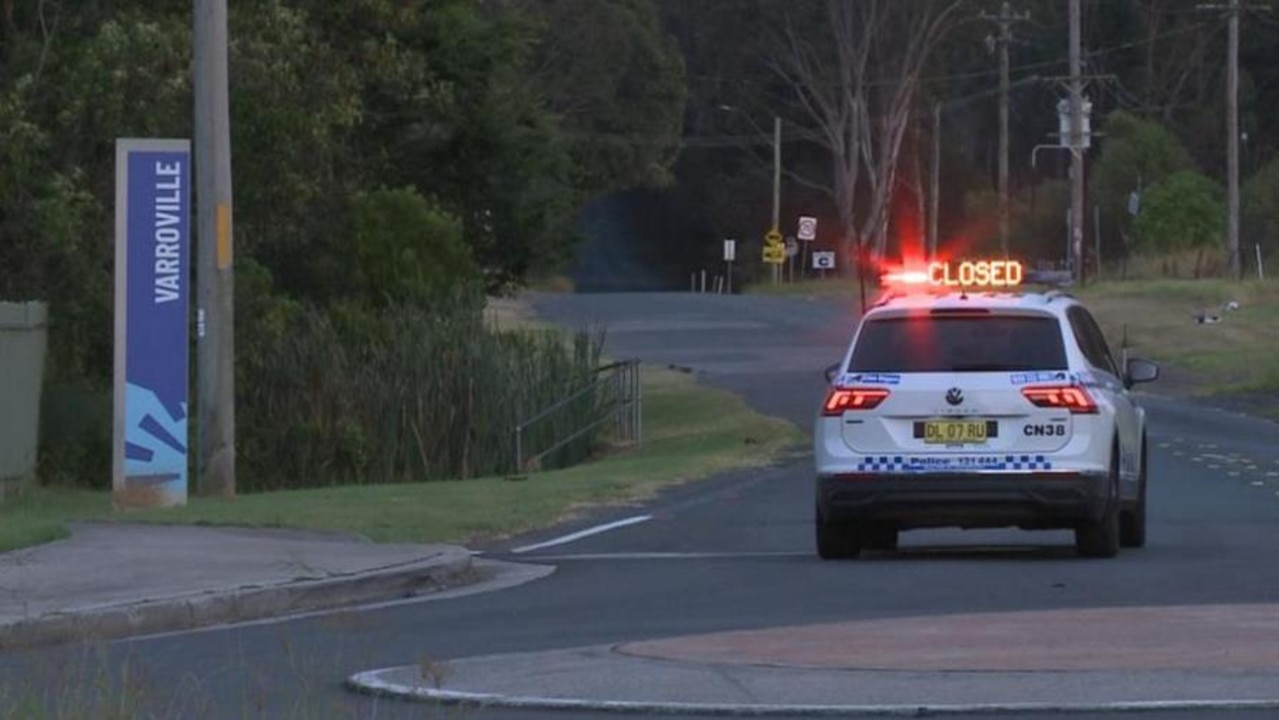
792,249
823,260
774,253
730,254
807,233
807,229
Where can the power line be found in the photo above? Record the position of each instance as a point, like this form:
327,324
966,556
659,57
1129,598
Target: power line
975,74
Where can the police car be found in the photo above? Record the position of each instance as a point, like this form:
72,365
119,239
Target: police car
969,403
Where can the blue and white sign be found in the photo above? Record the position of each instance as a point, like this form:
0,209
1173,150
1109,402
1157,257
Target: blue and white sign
152,296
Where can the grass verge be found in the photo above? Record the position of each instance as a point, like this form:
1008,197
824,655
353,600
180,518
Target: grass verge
829,287
690,432
1233,360
1234,355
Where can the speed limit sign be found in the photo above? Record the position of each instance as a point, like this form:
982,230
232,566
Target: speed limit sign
807,228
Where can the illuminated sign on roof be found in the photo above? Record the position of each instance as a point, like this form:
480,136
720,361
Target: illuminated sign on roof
995,274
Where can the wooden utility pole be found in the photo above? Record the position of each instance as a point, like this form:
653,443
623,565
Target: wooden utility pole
1005,19
777,187
1233,9
777,172
1232,143
935,193
216,307
1076,145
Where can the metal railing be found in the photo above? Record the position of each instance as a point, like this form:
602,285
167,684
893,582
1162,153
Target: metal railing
617,397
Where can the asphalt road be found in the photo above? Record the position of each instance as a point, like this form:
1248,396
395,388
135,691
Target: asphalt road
731,553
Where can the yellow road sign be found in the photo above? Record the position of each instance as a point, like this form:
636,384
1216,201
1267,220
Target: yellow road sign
774,237
775,253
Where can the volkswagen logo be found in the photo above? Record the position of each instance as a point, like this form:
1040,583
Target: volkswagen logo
954,396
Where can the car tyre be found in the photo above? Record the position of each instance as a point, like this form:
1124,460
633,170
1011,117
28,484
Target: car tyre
1132,525
836,540
1100,538
880,536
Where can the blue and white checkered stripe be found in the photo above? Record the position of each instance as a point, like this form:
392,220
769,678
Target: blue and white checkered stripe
904,464
884,464
1028,462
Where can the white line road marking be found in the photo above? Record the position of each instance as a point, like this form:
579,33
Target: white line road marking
584,533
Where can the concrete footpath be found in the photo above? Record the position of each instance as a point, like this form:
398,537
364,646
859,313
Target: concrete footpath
115,580
1095,660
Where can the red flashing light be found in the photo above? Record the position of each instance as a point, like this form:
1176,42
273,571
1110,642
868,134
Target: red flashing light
1067,397
906,277
840,399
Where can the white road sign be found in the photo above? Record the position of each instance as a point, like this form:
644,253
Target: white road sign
824,260
730,250
807,228
792,247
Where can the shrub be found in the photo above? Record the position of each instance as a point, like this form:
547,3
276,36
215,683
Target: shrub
1260,223
1183,211
407,250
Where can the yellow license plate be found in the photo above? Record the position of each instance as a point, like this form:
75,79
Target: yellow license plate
955,432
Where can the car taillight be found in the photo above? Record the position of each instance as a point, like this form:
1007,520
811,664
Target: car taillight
840,399
1067,397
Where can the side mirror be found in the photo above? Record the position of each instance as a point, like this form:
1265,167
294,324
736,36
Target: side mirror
1140,371
831,372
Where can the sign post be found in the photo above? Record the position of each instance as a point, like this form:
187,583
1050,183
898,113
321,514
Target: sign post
807,234
824,260
730,254
152,296
774,253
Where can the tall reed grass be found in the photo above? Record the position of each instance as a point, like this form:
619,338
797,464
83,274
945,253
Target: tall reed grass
405,394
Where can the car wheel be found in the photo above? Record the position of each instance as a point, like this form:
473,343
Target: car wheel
880,536
1100,538
1132,525
835,540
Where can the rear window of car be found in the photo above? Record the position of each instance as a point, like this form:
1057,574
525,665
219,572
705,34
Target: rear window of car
959,343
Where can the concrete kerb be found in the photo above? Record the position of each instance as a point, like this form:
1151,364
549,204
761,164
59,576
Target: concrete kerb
376,683
451,568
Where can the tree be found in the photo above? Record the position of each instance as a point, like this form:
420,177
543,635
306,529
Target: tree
1135,154
615,81
850,72
1183,211
68,96
407,251
1261,207
296,110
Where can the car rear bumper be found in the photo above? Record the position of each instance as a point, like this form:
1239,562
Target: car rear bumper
1028,500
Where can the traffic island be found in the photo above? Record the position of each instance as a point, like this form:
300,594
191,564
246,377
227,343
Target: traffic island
1219,658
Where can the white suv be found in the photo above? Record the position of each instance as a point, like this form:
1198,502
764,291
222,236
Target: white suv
979,410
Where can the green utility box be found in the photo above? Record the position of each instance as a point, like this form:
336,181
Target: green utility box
23,341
